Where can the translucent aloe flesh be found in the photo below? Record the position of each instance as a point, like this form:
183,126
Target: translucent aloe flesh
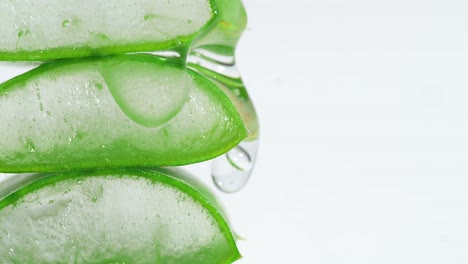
223,34
130,110
49,29
112,216
232,86
213,55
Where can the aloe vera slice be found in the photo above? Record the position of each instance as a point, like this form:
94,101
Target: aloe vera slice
223,34
130,110
50,29
112,216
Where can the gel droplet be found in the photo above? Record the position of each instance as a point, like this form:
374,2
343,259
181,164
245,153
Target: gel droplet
65,23
30,145
97,39
163,94
231,171
239,158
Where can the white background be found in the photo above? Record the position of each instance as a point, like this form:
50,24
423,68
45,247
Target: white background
364,140
364,114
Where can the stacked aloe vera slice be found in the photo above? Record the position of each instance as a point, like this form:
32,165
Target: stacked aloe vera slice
94,124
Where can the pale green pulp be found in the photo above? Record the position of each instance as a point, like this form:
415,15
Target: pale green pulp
112,216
